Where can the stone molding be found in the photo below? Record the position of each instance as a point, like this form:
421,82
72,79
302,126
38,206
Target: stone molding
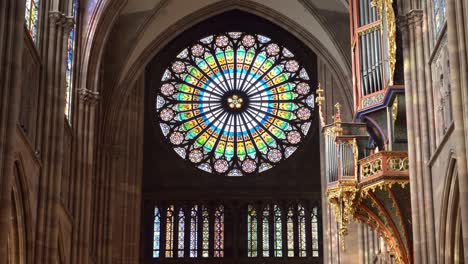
415,16
60,19
88,96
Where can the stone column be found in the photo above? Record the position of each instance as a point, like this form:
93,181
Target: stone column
426,175
11,47
428,75
458,77
84,163
403,25
52,130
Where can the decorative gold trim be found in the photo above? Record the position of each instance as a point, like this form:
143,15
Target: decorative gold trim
343,198
390,25
369,29
320,100
337,119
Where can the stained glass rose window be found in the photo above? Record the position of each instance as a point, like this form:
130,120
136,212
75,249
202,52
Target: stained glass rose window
235,103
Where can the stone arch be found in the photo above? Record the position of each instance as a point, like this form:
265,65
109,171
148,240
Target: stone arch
450,240
112,113
21,229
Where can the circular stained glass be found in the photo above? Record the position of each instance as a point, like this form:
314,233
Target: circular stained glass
237,103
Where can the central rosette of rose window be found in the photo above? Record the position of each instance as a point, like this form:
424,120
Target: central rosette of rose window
235,102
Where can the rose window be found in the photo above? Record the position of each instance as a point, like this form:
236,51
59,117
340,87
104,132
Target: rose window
235,104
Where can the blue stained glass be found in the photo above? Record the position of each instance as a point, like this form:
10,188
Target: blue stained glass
157,233
439,15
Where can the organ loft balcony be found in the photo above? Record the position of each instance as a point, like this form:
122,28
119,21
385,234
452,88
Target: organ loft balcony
368,184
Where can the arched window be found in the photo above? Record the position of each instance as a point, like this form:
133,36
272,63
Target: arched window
219,232
157,233
205,232
278,239
301,226
314,229
252,231
70,63
290,231
170,232
181,233
439,15
194,232
266,231
32,18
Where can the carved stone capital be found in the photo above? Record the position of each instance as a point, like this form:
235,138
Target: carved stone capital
68,24
88,96
56,18
415,17
402,23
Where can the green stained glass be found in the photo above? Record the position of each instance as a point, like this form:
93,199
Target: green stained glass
252,232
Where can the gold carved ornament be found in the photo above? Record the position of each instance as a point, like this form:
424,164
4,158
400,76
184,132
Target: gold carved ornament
390,23
343,200
320,100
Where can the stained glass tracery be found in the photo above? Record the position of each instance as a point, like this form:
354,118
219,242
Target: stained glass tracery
181,234
32,18
252,231
278,240
156,233
219,232
290,232
194,232
314,229
70,60
170,232
235,103
301,219
266,232
439,15
205,232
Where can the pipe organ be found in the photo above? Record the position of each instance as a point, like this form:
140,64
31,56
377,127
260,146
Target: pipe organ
373,38
366,161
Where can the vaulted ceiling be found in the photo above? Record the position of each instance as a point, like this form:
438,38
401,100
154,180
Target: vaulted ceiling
121,36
